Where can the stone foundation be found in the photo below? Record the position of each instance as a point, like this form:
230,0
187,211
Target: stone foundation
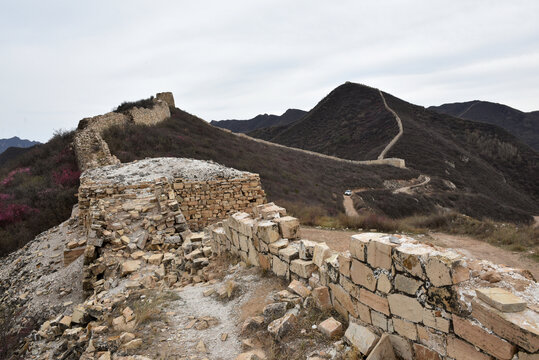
423,296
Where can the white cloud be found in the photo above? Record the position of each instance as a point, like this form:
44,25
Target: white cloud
63,60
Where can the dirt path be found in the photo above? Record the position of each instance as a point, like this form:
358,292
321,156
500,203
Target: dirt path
406,189
467,109
399,123
348,204
339,240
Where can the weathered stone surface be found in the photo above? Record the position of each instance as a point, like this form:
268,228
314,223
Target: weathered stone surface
520,328
306,249
374,301
361,337
434,319
289,253
438,269
501,299
461,350
406,307
298,288
130,266
358,244
524,356
280,268
321,253
267,231
251,324
401,346
274,247
405,328
424,353
345,260
379,320
384,284
362,275
383,350
331,328
303,268
280,327
479,337
379,254
322,298
406,284
155,259
288,227
432,340
364,313
274,311
343,298
409,257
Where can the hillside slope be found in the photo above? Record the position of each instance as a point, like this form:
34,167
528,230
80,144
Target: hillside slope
524,126
489,167
16,142
260,121
287,175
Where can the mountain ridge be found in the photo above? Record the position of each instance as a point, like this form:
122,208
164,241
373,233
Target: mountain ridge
524,125
260,121
15,141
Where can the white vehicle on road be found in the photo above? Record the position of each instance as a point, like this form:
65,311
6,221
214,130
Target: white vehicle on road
348,193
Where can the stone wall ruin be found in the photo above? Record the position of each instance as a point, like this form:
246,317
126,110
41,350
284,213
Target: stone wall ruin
433,302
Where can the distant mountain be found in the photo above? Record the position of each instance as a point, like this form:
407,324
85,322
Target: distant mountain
524,126
490,167
260,121
16,142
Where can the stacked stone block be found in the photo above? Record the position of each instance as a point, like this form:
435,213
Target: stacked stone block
422,296
204,202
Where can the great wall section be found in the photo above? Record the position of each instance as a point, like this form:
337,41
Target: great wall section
152,233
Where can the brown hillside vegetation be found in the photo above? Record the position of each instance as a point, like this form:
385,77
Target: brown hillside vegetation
287,175
494,173
524,125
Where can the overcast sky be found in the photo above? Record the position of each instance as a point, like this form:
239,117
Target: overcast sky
61,61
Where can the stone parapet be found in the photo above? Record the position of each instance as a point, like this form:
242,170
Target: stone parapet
423,296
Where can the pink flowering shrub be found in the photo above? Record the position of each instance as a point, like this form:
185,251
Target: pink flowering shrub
9,178
5,197
66,177
14,213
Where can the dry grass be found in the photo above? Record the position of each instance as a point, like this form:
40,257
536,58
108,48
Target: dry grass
148,309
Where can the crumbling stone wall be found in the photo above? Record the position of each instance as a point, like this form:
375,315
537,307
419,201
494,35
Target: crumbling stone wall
90,148
434,303
204,202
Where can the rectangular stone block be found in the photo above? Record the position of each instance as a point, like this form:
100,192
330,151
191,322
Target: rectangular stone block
362,275
374,301
461,350
267,231
306,249
407,284
345,260
379,253
383,350
361,337
501,299
409,258
432,340
303,268
406,307
401,346
424,353
476,335
344,299
520,328
288,227
405,328
280,268
289,253
274,247
358,245
434,319
321,253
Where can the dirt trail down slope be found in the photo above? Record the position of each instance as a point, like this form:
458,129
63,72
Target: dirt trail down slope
348,204
397,137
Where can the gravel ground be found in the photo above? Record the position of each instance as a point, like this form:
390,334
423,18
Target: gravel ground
151,169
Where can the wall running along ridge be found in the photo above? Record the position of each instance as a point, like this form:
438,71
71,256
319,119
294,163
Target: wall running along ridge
90,148
423,296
